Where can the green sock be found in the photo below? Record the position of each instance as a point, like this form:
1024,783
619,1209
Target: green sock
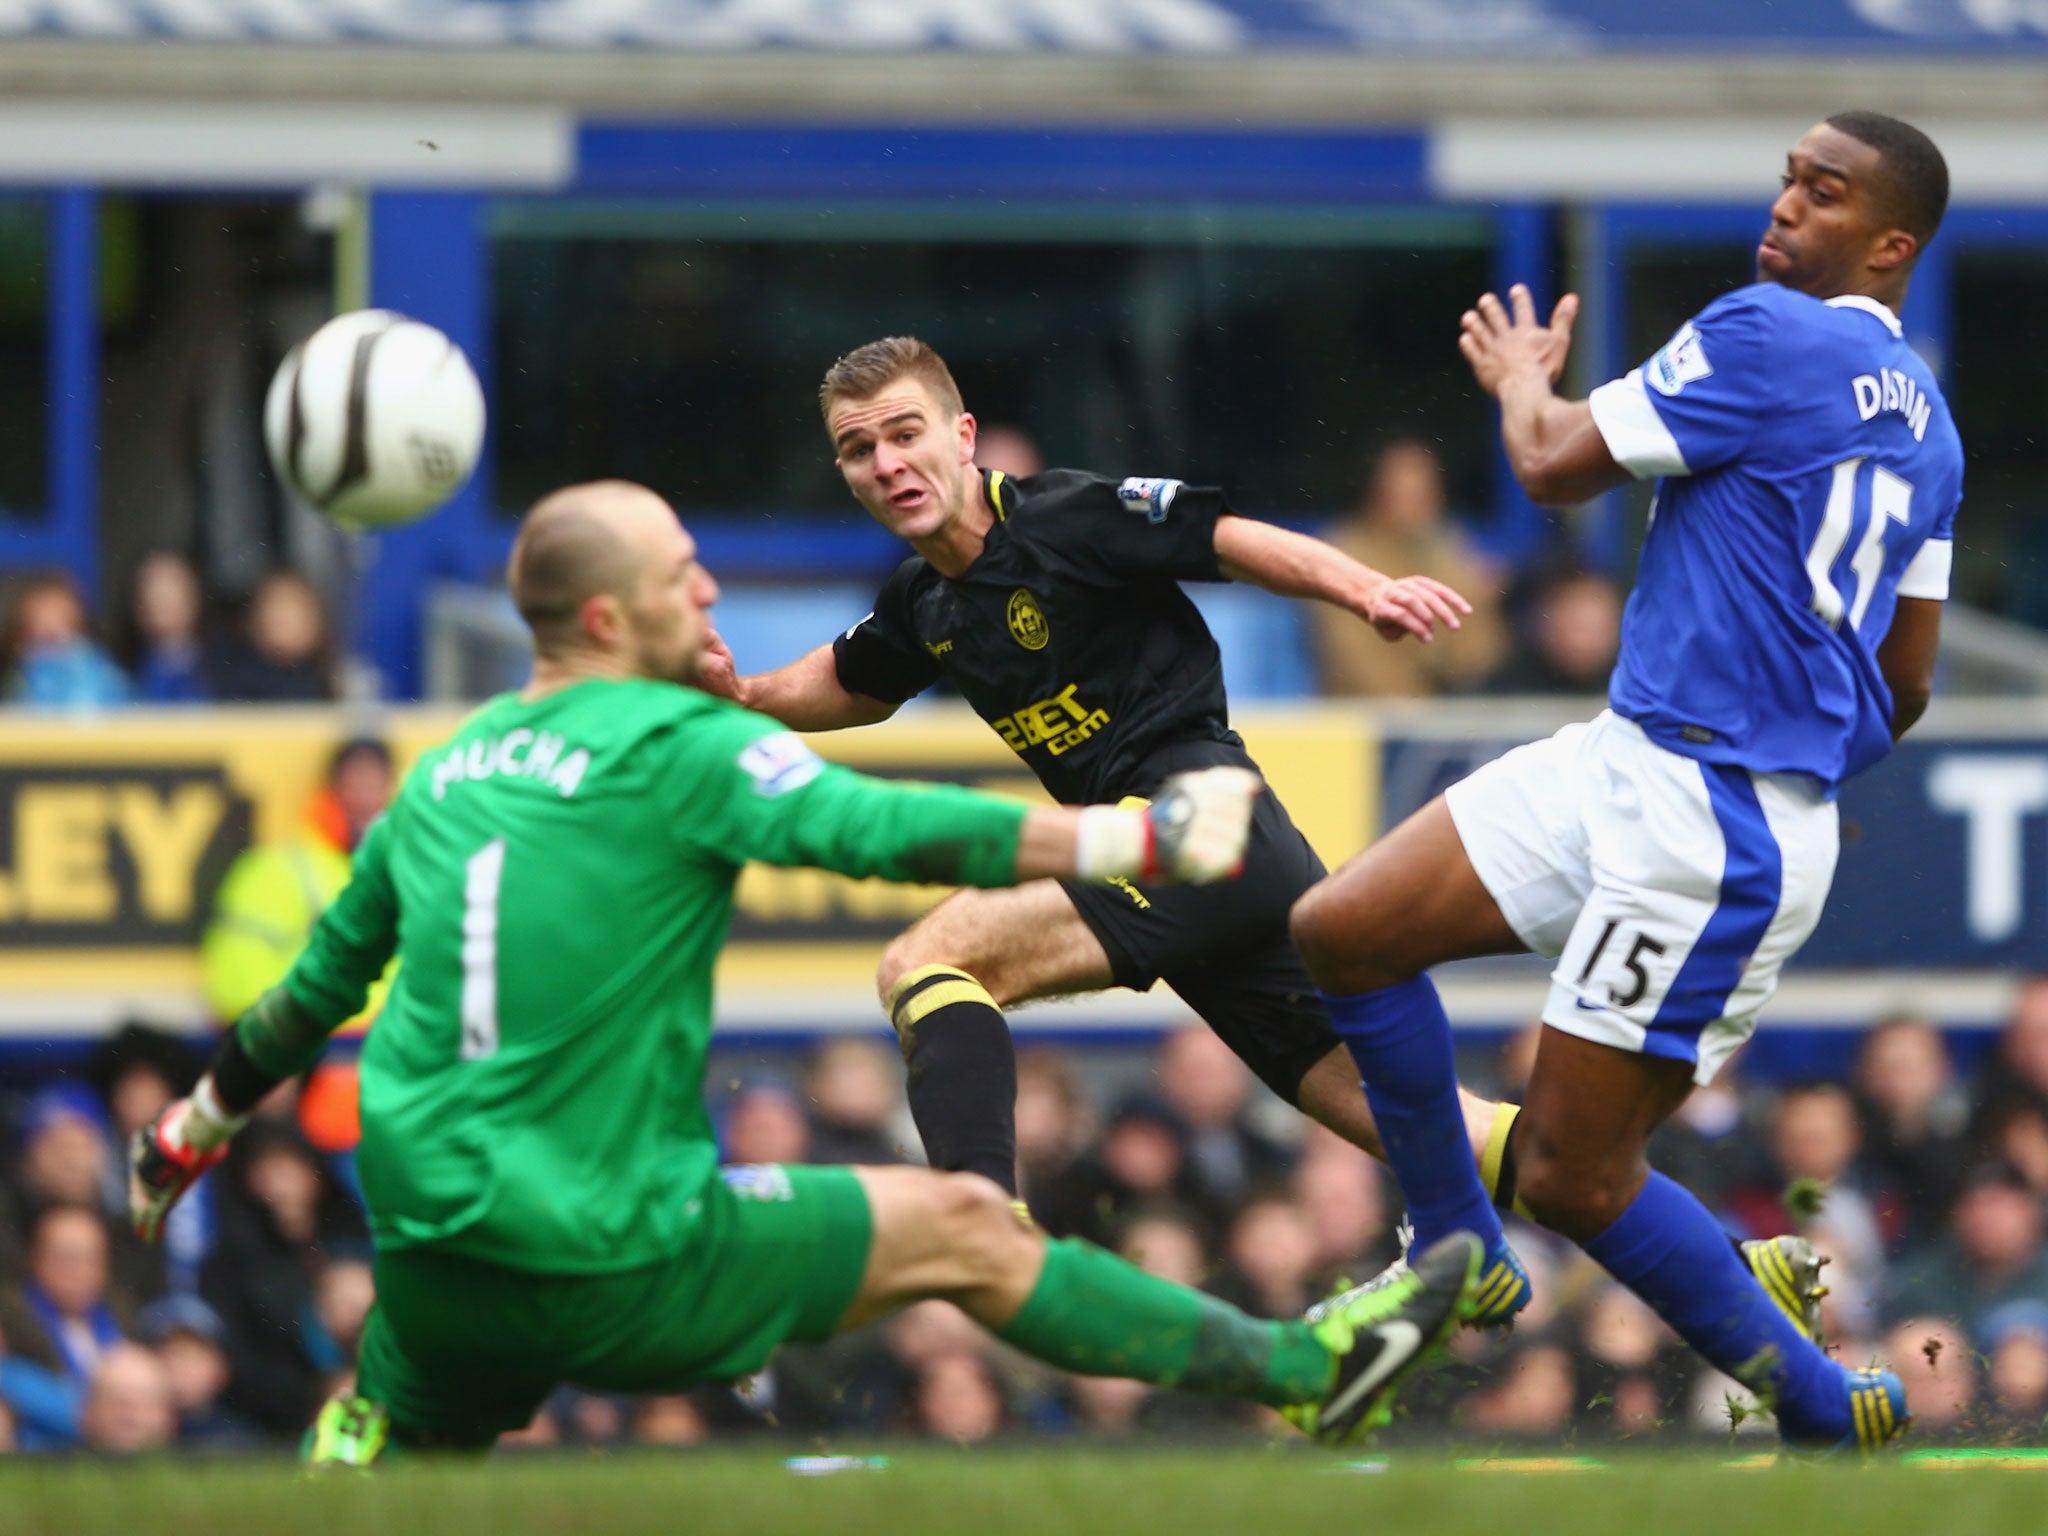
1093,1313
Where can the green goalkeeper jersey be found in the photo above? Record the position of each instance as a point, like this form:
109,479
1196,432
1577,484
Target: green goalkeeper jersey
557,880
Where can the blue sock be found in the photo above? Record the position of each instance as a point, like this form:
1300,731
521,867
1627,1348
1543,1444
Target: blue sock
1668,1250
1402,1043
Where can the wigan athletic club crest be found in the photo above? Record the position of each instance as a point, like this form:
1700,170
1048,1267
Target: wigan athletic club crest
1027,621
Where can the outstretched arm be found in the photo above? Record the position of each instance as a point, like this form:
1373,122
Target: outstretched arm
1553,444
279,1036
806,695
1294,565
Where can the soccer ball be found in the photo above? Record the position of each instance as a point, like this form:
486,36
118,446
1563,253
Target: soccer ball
375,419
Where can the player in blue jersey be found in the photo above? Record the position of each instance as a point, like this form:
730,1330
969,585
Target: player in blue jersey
1673,853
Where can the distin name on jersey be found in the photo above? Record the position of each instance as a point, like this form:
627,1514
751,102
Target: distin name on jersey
1056,723
1890,390
519,754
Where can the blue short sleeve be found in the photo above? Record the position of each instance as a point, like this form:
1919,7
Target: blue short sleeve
1696,404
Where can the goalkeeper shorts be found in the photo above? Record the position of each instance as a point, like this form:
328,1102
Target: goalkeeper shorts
459,1350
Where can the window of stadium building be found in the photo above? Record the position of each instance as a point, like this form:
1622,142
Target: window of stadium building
1997,381
24,355
1267,353
1664,286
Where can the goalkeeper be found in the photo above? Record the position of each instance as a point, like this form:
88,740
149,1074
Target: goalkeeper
541,1173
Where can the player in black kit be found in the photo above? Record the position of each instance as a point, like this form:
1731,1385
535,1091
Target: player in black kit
1052,603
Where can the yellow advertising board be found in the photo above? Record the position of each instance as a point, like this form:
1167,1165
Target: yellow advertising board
115,831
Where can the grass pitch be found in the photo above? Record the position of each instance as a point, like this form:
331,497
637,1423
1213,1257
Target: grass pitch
1035,1492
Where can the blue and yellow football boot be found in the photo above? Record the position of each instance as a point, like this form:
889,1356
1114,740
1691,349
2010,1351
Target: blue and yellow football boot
1788,1268
1878,1415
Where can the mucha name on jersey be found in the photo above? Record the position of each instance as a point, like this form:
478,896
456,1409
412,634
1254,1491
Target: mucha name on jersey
1809,477
1069,635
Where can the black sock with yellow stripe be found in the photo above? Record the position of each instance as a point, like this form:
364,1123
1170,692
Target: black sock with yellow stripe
1497,1163
962,1072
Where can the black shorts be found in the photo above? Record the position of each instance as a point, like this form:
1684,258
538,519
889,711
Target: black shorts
1224,948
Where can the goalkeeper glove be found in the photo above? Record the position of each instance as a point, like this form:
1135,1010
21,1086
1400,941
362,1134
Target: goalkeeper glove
167,1156
1193,833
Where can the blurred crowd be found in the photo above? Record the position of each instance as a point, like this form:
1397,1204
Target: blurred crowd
1550,626
166,644
1926,1188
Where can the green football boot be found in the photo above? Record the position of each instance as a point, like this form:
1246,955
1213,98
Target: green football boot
350,1432
1381,1332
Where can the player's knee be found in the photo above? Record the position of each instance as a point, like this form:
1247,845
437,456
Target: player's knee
1334,943
898,960
1569,1195
979,1221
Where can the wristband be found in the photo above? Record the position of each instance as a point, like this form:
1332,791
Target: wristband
1113,844
205,1124
236,1083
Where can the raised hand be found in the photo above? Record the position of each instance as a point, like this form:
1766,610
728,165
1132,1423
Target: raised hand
1499,340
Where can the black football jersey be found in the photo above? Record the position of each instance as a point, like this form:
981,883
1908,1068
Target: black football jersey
1069,634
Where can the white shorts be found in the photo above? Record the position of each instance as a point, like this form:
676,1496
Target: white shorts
1670,891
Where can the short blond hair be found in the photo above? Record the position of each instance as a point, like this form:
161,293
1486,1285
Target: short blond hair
866,371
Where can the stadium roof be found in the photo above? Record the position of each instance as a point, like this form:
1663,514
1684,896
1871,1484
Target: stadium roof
1463,27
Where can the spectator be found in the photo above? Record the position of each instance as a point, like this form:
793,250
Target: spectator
1849,1308
1939,1370
1052,1130
852,1086
65,1158
2017,1133
671,1421
164,609
48,657
766,1124
1108,1407
596,1419
2017,1072
1343,1194
279,1211
129,1408
1636,1372
2014,1339
1206,1084
1914,1115
1570,636
39,1407
61,1316
1166,1244
1008,449
1139,1162
1992,1255
1530,1397
957,1398
1518,1061
1271,1254
1709,1145
1814,1141
189,1342
137,1074
274,892
68,1159
284,654
1401,527
343,1291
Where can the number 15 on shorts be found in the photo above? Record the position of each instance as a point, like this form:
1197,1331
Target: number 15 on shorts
1627,978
